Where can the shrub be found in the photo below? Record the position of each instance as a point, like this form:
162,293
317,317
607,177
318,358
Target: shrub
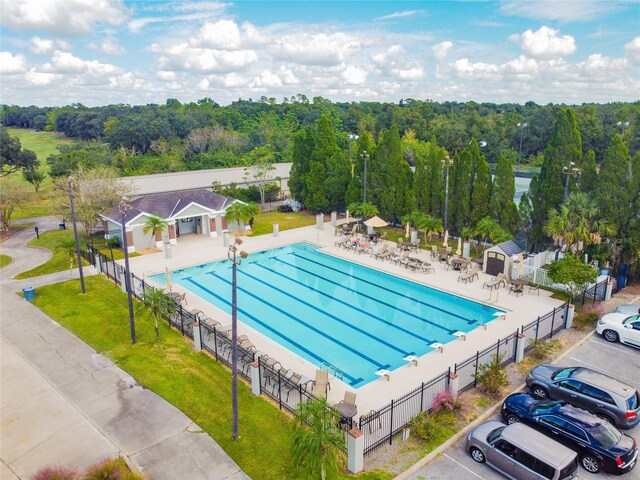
492,376
585,320
432,426
444,401
110,469
55,473
542,349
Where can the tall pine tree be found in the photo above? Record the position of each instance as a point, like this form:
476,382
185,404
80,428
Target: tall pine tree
460,188
588,174
502,206
435,185
481,195
615,185
303,145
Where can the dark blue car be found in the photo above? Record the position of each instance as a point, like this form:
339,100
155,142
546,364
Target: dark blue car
599,444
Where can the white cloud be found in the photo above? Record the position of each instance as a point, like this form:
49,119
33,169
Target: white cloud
441,50
64,62
316,49
597,66
40,79
186,57
522,67
632,50
564,11
62,17
354,75
10,63
108,47
404,13
463,68
196,12
45,46
546,43
227,35
166,75
266,79
384,59
409,73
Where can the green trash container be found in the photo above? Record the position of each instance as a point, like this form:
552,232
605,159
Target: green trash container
29,294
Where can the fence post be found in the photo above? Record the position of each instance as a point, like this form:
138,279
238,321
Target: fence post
256,388
475,376
181,322
197,336
421,396
571,308
608,289
537,327
279,389
553,318
520,344
454,384
391,424
355,450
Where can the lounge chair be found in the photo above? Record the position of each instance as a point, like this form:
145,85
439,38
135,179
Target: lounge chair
400,258
340,242
495,282
365,247
469,275
381,252
434,252
321,383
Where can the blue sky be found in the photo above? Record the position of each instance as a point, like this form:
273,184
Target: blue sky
56,52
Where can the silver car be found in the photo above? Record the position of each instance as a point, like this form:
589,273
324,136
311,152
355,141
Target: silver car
521,453
629,309
606,397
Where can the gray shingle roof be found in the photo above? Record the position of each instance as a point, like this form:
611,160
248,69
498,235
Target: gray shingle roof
510,248
165,205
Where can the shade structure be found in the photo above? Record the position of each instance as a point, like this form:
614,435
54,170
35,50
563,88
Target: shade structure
446,239
376,222
459,250
168,274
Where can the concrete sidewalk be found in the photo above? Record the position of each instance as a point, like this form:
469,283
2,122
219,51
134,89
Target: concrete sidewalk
64,404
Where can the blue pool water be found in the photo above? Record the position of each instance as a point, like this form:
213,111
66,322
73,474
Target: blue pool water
332,311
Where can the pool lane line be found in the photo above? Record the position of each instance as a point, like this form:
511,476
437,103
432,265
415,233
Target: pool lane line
304,324
469,322
353,381
353,290
337,319
369,314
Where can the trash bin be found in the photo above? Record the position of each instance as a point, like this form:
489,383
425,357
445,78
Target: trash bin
225,238
168,253
62,225
29,294
276,229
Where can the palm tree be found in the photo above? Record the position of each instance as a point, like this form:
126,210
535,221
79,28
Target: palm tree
158,305
487,228
68,246
576,225
413,218
235,213
430,225
466,234
250,210
366,210
316,440
156,226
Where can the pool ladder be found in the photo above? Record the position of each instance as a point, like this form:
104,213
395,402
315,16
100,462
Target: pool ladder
333,370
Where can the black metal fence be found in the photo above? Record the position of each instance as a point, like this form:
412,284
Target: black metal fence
545,327
595,292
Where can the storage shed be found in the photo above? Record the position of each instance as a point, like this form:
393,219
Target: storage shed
499,258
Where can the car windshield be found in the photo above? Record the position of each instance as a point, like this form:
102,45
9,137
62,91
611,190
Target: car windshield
564,373
494,434
542,407
606,434
632,401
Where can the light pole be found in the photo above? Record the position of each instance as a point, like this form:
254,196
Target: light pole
568,171
232,255
522,126
124,207
351,137
623,126
365,158
447,162
75,233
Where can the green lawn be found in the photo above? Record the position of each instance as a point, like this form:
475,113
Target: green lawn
60,260
43,143
192,381
263,223
5,260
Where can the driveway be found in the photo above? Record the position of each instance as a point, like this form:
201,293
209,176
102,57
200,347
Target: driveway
617,360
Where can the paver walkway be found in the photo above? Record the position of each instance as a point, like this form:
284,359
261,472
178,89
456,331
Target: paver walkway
64,404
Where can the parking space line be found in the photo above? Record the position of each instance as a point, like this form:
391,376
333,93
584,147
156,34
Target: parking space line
607,372
467,469
615,348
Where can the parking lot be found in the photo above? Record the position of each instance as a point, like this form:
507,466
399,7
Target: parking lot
619,361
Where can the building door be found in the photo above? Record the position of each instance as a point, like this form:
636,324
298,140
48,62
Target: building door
495,263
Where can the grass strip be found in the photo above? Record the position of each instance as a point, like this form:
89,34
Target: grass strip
192,381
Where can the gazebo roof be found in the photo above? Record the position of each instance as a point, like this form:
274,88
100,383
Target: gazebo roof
509,247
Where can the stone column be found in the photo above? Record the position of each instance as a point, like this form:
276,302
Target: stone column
609,290
454,385
521,339
355,450
197,339
334,218
255,379
571,310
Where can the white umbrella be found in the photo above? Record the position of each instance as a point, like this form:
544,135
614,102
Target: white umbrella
375,222
407,232
520,265
166,271
347,216
446,239
459,251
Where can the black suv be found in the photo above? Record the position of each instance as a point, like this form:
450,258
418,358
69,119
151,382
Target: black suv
599,444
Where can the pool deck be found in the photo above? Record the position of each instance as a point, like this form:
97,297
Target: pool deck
197,249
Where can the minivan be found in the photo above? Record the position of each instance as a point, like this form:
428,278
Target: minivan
521,453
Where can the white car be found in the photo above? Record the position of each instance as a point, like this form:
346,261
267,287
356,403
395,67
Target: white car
620,327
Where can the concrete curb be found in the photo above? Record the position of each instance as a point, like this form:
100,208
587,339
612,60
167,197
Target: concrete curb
424,461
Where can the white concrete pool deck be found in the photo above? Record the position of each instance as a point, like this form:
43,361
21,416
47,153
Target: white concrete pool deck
197,249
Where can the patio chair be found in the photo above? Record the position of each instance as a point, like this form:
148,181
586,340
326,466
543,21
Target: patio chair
181,298
321,384
448,263
434,252
340,242
532,287
381,252
516,289
469,275
349,399
494,282
293,381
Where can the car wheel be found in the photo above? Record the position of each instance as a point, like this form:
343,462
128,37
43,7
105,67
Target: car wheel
511,419
590,463
477,454
539,392
610,336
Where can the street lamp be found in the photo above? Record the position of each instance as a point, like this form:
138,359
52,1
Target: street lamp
351,137
365,157
569,171
124,207
522,126
232,255
75,233
447,162
623,126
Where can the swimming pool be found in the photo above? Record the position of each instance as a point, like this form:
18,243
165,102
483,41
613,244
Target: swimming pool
334,312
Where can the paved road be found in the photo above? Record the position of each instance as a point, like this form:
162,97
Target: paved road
617,360
64,404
